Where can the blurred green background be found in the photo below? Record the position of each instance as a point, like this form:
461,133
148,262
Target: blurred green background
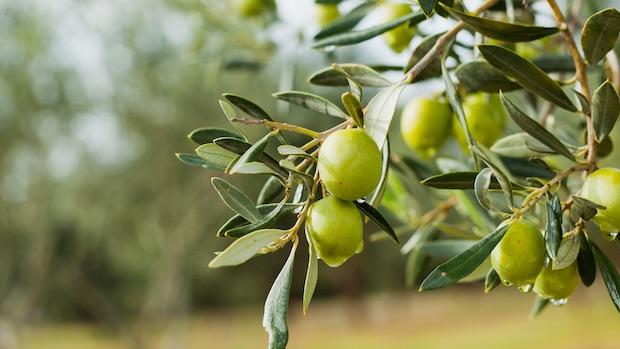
105,237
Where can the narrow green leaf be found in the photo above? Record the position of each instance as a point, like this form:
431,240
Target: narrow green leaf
456,180
418,237
599,34
364,75
585,262
312,102
567,253
377,195
491,281
481,188
539,305
609,274
526,74
605,109
416,258
482,76
267,221
239,147
512,32
354,108
463,264
445,249
246,247
583,208
276,305
234,198
355,87
553,228
197,161
427,6
291,150
455,102
434,68
231,115
500,172
237,221
346,22
534,129
521,145
218,158
354,37
208,134
252,154
380,111
247,106
311,275
270,190
376,217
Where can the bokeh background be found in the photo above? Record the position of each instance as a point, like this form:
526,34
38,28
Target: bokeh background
105,237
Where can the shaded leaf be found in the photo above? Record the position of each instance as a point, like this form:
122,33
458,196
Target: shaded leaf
311,274
218,158
270,190
364,75
265,210
231,115
445,249
599,34
246,247
267,221
289,150
455,102
208,134
354,37
553,228
377,195
605,109
312,102
609,274
353,107
521,145
583,208
234,198
252,153
415,260
380,111
456,180
567,253
346,22
427,6
526,74
247,106
197,161
276,305
534,129
239,147
377,217
491,281
482,76
539,305
585,262
481,188
512,32
434,68
463,264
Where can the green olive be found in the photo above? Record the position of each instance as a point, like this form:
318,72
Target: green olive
603,187
557,284
398,38
326,14
520,255
349,164
252,8
425,125
485,117
335,227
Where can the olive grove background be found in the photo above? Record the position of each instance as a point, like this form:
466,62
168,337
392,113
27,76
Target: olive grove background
101,225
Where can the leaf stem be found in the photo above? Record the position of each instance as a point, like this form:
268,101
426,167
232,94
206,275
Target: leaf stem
279,126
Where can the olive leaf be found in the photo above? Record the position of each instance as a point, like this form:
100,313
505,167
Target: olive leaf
433,69
526,74
455,102
311,274
353,107
346,22
521,145
377,195
247,106
276,305
291,150
237,221
456,180
239,147
312,102
482,76
427,6
197,161
499,171
585,262
218,158
376,217
463,264
609,274
512,32
234,198
445,249
252,153
605,109
599,34
539,305
415,260
533,128
364,75
267,221
270,190
567,253
553,228
231,115
380,111
246,247
208,134
481,188
354,37
583,208
491,281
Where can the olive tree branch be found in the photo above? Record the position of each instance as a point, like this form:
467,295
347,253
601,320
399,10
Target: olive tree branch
279,126
580,71
441,44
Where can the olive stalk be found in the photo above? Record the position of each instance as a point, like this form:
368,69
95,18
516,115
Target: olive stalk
280,126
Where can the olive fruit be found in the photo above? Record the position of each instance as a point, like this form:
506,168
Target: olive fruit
398,38
520,255
252,8
425,125
485,117
603,187
557,284
349,164
326,14
335,228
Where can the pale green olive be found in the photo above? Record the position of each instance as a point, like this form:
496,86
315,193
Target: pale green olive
603,187
398,38
485,117
557,284
326,14
425,125
349,164
335,227
520,255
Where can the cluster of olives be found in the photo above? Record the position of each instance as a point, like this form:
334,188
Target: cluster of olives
426,123
349,166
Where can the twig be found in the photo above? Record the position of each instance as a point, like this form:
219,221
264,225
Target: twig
279,126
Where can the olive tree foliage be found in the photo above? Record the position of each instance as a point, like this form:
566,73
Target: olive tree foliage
556,82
